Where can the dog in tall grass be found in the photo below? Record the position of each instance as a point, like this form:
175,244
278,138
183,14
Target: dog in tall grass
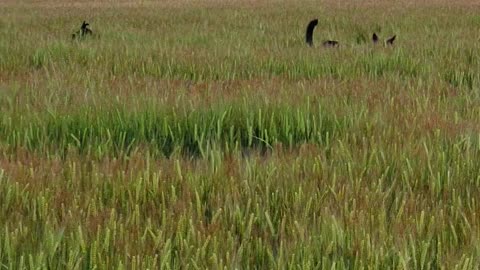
83,32
309,36
389,42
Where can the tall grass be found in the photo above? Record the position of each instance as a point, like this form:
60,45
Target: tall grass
117,131
206,135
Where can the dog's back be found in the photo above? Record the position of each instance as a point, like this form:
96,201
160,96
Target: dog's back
331,43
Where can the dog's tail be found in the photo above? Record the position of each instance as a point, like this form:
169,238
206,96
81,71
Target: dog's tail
309,33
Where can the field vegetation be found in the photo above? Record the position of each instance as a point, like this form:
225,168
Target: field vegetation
207,135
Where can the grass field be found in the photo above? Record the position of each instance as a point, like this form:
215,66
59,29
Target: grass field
207,135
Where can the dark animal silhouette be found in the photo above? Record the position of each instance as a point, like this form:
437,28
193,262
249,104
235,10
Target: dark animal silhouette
375,38
330,43
83,32
309,33
390,41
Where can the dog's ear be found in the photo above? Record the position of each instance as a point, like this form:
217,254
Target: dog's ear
374,38
391,40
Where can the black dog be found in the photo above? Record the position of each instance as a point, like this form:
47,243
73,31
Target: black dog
83,32
309,33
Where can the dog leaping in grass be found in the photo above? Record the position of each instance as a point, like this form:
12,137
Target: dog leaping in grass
83,32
